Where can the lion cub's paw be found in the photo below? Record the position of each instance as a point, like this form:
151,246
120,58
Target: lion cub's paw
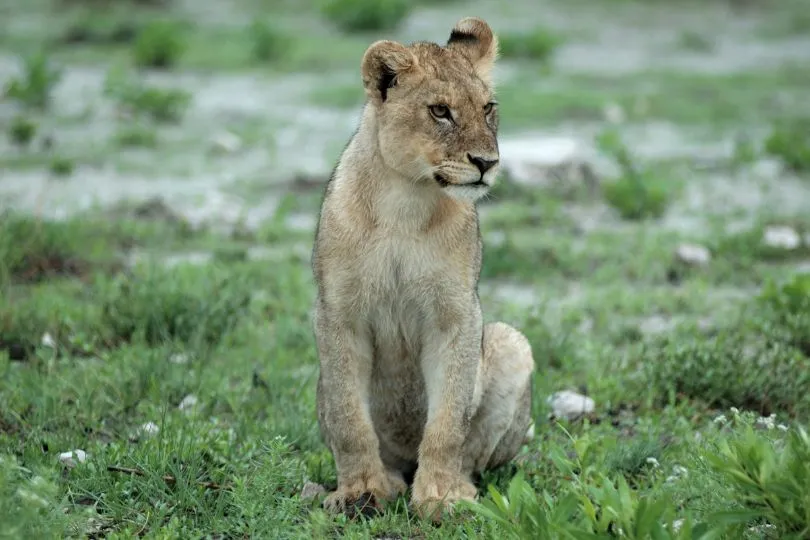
366,494
438,491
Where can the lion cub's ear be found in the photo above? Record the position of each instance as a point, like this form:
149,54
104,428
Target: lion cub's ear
473,38
382,63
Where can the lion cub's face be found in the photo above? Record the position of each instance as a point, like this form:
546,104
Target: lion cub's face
436,116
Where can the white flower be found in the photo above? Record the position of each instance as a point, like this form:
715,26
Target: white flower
781,427
654,462
188,402
735,411
720,419
48,341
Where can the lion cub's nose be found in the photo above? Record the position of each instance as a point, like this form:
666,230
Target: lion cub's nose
483,164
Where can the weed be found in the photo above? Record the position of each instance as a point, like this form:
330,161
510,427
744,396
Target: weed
137,135
790,141
638,193
538,44
696,41
34,87
159,45
365,15
136,98
269,43
160,306
62,165
22,130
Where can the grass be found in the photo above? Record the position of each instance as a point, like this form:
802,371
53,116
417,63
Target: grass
538,45
109,322
364,15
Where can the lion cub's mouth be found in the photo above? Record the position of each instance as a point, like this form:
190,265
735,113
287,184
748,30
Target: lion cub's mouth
443,182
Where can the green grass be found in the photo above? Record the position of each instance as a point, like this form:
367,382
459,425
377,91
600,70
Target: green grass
536,45
103,331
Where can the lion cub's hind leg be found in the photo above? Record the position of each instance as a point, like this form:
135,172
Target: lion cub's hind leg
503,419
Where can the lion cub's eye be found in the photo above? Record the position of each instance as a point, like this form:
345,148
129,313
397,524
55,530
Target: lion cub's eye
489,107
440,111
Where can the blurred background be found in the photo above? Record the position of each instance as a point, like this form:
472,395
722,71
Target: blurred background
161,167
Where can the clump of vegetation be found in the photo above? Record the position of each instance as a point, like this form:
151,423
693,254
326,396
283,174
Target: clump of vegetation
198,305
268,42
638,193
696,41
159,45
22,130
760,362
365,15
538,44
138,99
91,28
137,135
62,165
33,88
790,142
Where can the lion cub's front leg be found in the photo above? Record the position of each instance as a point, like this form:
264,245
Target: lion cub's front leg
344,418
450,367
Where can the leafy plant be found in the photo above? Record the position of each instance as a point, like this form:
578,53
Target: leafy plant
365,15
22,130
268,41
35,85
538,44
136,98
638,193
62,166
790,141
159,44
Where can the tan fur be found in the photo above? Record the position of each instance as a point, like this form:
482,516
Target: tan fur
410,377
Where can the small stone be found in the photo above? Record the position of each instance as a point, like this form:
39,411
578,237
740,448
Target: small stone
570,405
149,428
225,143
179,358
48,341
781,237
614,113
676,525
311,490
69,459
693,254
188,402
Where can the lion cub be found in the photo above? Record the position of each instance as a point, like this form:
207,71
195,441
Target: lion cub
410,377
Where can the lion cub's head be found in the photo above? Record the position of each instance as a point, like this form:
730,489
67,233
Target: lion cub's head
434,108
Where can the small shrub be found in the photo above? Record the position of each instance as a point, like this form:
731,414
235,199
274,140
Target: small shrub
790,142
696,41
159,45
638,193
136,135
365,15
62,166
134,97
35,85
268,41
536,45
189,304
770,479
22,130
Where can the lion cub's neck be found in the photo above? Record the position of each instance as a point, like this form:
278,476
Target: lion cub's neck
376,196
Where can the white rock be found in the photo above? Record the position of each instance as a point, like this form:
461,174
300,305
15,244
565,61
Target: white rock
570,405
782,237
676,525
225,143
149,428
48,341
188,402
538,159
69,459
179,358
311,490
693,254
614,113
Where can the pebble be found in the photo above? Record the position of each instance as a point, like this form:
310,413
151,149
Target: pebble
67,458
570,405
693,254
226,143
782,237
311,490
48,341
188,402
149,428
